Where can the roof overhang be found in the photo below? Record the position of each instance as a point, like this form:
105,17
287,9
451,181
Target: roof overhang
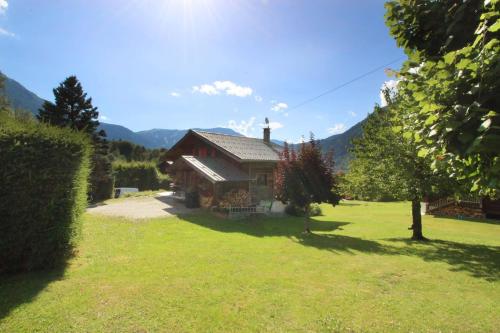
215,170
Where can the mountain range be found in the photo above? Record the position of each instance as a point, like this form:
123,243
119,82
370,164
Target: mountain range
21,98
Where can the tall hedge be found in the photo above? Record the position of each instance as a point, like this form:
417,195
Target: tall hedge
143,175
43,185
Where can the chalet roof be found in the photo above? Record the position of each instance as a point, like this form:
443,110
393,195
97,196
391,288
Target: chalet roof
242,147
215,170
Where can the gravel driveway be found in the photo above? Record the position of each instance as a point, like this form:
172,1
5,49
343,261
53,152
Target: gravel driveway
161,205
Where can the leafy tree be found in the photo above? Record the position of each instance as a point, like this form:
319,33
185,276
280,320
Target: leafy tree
374,172
73,109
387,159
305,178
451,82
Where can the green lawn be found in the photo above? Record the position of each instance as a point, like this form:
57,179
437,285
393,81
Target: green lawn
356,272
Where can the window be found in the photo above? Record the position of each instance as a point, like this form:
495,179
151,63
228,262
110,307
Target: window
262,179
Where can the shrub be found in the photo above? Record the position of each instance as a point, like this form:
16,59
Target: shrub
43,190
315,210
164,181
142,175
101,178
294,210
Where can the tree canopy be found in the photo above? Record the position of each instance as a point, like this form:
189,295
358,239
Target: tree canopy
305,178
71,109
451,82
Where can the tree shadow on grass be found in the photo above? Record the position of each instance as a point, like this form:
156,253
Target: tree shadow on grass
291,227
20,288
480,261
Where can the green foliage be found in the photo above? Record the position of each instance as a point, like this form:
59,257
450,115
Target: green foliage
375,173
142,175
101,177
71,109
433,27
43,173
128,151
306,178
4,103
387,163
315,210
451,83
164,181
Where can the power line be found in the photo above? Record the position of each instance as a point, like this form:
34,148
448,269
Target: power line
329,91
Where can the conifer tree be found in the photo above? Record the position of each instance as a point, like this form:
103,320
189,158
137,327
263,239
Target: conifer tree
72,108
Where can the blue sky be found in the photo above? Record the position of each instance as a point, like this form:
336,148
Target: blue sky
205,63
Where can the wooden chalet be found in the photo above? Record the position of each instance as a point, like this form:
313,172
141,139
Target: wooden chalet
212,164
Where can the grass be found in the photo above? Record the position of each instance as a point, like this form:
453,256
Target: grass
357,272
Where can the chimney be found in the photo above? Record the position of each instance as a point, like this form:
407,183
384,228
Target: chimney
267,135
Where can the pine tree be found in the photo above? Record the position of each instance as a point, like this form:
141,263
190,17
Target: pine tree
71,109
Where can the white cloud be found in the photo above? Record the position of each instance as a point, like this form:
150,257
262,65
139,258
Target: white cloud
258,98
273,125
392,86
352,114
6,33
206,89
175,94
3,6
228,87
279,107
337,129
103,117
233,89
244,127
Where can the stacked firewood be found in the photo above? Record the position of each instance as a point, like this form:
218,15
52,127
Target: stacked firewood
458,211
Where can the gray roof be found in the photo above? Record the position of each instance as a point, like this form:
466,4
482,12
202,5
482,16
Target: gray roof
215,170
244,148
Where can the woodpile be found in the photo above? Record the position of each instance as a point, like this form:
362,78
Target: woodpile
457,211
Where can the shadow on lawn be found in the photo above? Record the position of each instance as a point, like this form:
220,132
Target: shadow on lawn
291,227
21,288
480,261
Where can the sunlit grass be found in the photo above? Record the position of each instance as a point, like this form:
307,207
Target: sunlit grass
199,273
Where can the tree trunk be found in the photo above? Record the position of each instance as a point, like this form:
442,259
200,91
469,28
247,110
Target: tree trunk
417,220
306,224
